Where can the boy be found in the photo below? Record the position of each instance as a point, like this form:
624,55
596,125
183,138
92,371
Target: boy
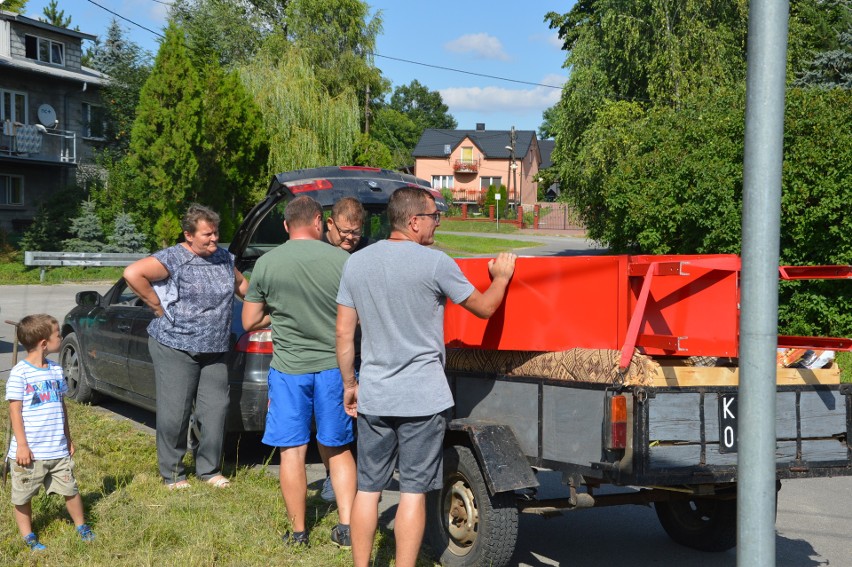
41,448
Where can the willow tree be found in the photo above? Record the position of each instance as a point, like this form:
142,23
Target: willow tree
306,126
163,162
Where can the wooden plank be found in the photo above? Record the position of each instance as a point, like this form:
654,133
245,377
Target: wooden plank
682,376
674,417
823,450
823,414
674,456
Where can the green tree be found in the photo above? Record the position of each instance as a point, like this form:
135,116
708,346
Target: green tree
125,236
829,69
305,125
423,107
127,65
166,136
338,38
51,224
227,32
87,231
371,152
396,131
17,6
234,149
54,16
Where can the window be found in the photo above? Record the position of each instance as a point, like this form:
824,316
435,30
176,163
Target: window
442,182
45,50
11,190
93,121
467,154
13,106
486,182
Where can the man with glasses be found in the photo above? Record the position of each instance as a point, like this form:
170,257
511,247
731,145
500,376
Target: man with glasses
397,288
345,225
344,230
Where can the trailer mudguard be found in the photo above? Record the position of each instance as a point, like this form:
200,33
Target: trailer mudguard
499,454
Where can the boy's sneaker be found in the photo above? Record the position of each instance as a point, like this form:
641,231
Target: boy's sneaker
327,492
340,535
86,533
33,543
298,539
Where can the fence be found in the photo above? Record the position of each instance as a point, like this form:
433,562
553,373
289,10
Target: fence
45,259
558,216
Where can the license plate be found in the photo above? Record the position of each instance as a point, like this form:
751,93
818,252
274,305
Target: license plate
728,423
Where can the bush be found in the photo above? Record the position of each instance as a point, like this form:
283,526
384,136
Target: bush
503,204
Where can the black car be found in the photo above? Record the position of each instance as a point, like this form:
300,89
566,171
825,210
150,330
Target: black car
105,338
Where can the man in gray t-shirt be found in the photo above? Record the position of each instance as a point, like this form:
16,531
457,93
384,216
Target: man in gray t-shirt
398,288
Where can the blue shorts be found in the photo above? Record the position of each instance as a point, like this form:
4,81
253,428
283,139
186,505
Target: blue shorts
296,398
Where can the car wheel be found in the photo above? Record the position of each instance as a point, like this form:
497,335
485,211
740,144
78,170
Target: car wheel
75,371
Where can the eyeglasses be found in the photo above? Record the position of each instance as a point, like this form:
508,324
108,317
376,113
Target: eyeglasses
436,216
354,232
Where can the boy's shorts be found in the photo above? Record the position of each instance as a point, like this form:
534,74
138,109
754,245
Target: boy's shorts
413,444
295,398
56,475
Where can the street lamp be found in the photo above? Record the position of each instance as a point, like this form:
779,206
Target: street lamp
513,167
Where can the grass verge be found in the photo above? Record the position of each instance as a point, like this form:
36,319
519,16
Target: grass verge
457,245
139,522
476,226
14,272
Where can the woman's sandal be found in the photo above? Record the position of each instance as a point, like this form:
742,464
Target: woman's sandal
218,481
179,485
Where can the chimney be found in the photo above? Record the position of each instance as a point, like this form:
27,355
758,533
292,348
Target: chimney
480,126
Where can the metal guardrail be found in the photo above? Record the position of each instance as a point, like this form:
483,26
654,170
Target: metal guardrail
86,259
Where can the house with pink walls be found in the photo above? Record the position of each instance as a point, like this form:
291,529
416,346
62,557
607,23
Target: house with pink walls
468,161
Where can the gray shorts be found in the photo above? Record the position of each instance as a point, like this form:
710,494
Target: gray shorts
56,475
415,445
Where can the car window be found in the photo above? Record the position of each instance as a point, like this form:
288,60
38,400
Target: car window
123,295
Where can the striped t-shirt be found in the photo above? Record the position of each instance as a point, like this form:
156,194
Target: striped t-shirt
41,391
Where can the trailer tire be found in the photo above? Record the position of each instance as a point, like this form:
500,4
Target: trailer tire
459,540
705,524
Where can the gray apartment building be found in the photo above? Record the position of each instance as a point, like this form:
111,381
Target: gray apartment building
50,114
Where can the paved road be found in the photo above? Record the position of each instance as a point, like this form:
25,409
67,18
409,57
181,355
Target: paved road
814,516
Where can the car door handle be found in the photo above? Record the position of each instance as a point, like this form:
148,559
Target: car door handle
124,328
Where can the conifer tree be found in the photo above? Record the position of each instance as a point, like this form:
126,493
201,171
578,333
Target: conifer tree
125,236
54,16
166,136
87,231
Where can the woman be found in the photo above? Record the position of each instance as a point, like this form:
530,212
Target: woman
190,287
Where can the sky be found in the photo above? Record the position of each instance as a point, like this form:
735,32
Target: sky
496,38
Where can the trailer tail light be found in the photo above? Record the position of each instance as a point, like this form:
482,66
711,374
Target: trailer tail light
256,342
617,422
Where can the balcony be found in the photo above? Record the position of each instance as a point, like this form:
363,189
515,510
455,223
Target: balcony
33,142
469,196
465,166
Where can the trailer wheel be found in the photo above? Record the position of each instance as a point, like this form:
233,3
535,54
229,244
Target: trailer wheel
705,524
466,526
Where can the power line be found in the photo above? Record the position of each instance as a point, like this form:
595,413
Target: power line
464,72
116,14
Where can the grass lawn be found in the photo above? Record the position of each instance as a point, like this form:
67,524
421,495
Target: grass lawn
140,522
13,272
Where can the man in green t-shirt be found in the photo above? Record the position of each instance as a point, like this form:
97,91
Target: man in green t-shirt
294,288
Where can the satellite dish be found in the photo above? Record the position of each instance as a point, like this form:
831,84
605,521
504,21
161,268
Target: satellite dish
46,115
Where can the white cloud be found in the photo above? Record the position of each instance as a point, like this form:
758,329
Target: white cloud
482,45
500,99
554,40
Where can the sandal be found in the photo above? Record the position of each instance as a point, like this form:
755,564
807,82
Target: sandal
218,481
179,485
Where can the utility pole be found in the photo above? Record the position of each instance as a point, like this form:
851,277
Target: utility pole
367,111
511,177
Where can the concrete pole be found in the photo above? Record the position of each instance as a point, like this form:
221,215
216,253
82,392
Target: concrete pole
764,145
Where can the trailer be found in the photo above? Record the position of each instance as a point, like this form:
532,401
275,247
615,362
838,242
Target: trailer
619,371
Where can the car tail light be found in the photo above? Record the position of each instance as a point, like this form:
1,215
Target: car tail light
617,423
256,342
314,185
